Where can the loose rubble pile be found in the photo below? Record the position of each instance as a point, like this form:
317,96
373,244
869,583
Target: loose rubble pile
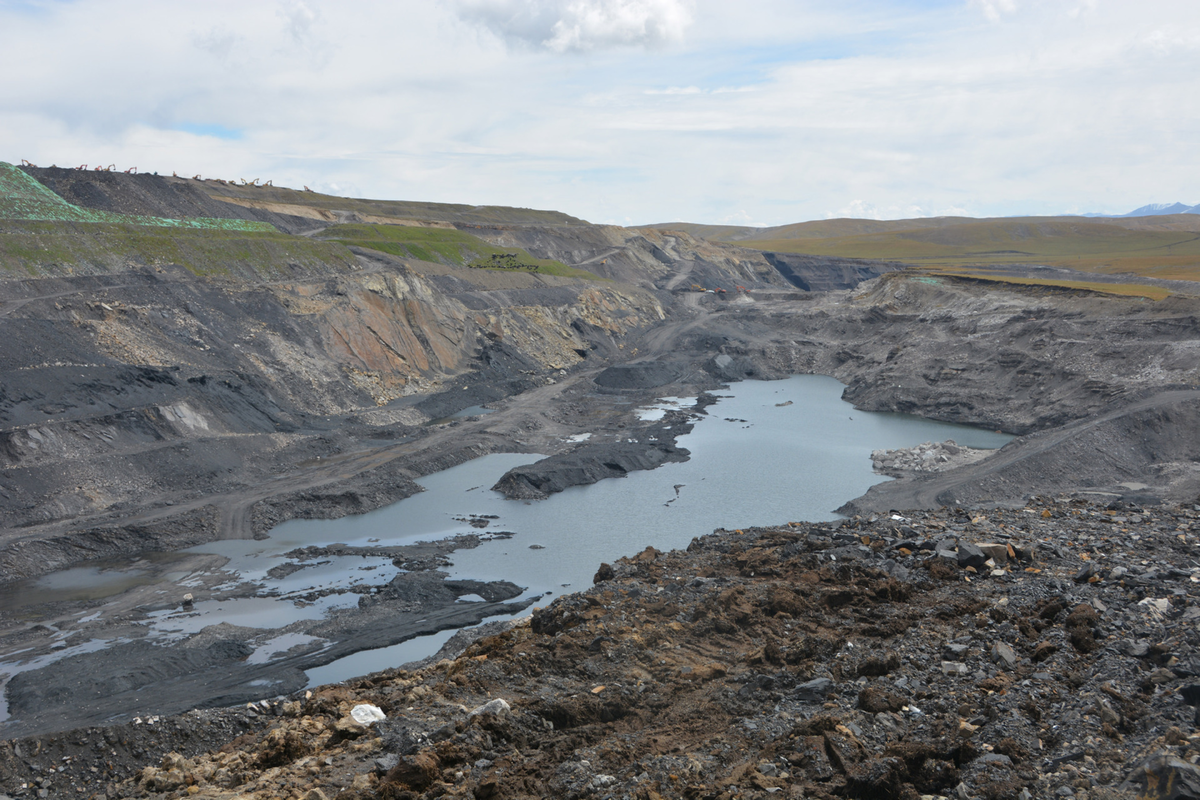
1049,651
926,457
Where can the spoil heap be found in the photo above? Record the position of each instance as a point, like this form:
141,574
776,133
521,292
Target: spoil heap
1046,651
926,457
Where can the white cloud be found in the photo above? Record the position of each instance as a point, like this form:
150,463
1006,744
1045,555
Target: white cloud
994,10
927,112
857,209
582,25
1166,43
218,41
1083,7
743,218
299,18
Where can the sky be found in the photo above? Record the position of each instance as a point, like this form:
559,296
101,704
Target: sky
761,112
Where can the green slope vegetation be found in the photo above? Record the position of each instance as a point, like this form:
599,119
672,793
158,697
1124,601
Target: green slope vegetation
981,275
42,234
24,198
445,246
66,248
1085,245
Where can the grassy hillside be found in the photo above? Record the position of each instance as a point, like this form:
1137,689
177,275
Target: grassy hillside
982,275
714,233
66,248
42,234
1091,246
1161,247
445,246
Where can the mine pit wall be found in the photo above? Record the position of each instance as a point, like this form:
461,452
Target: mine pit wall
1100,387
159,385
824,274
649,259
1016,360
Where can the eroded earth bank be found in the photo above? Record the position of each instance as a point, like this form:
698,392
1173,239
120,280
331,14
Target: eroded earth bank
164,392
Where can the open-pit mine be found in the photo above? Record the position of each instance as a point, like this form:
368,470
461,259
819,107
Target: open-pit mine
191,363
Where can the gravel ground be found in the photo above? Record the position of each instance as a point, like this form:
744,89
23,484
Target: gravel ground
1046,651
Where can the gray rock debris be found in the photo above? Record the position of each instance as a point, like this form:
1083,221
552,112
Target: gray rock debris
926,457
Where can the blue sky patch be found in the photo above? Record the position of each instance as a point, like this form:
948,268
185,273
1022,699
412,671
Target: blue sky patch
215,131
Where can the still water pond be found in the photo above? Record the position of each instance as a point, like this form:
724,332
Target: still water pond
768,452
756,460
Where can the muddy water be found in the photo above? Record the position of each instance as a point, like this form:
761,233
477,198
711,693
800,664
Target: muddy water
768,452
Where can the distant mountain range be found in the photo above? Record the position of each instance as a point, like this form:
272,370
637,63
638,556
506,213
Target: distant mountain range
1154,210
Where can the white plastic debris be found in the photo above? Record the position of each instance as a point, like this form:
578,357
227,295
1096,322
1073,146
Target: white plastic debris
366,714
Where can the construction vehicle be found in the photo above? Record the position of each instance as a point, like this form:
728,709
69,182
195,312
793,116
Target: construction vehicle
25,163
742,289
82,166
721,291
697,287
131,171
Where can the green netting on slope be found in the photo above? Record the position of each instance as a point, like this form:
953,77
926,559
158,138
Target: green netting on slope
23,198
